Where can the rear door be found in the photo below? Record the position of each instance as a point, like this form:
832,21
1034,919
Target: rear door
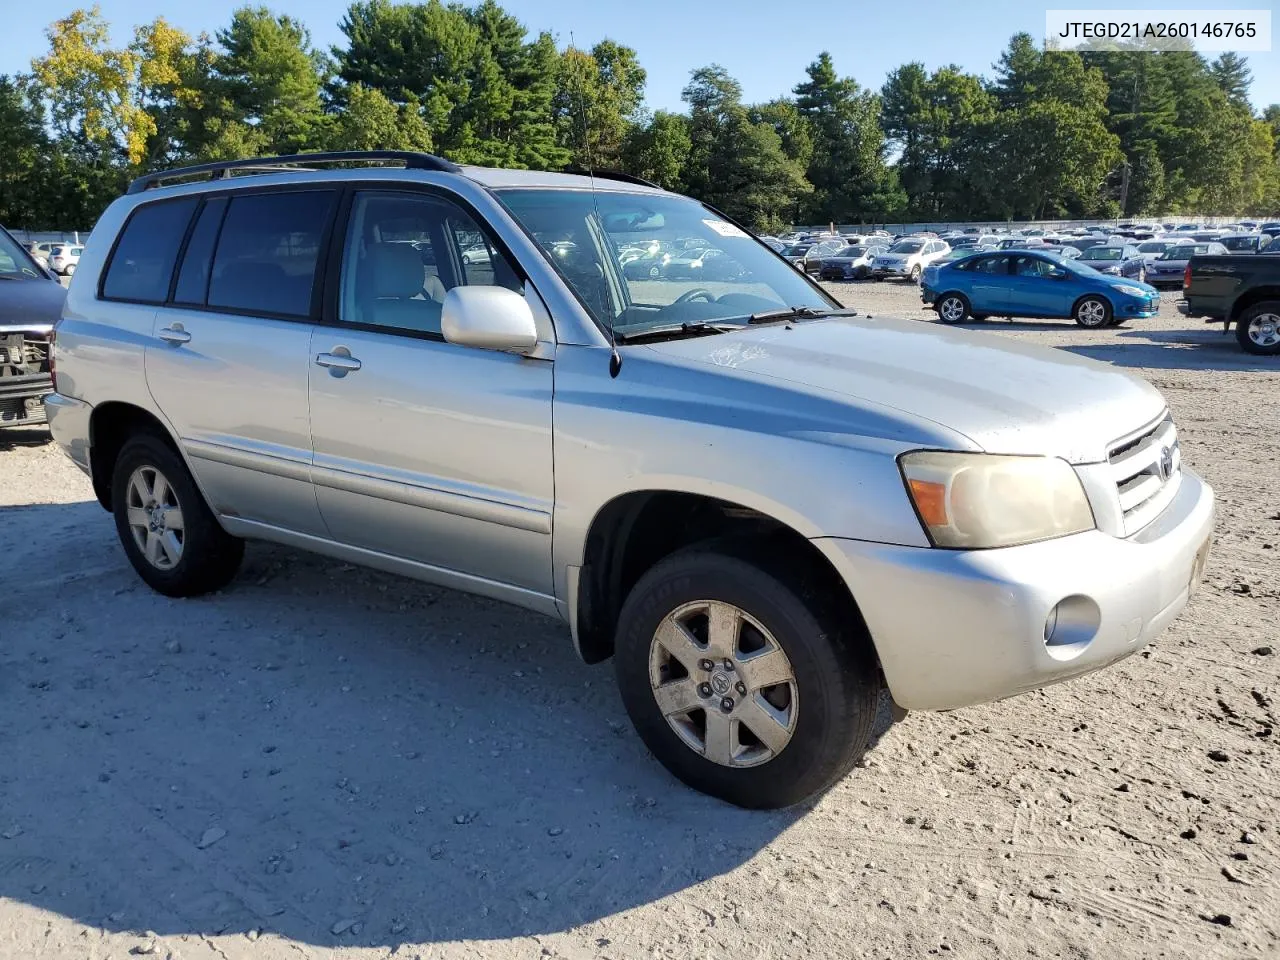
229,361
989,284
426,450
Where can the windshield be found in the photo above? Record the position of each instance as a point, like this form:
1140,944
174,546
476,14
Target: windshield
851,252
1153,246
1239,243
1184,251
582,235
907,246
14,263
1102,253
798,250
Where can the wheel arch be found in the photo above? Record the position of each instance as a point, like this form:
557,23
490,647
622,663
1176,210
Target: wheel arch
636,529
110,426
1075,304
1252,297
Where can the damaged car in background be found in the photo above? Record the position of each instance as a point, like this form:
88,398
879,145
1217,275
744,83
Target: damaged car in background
30,303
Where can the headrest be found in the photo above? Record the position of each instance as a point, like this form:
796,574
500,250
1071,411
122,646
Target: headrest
395,270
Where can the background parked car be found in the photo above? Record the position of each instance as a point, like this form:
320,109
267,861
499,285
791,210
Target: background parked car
1271,228
63,259
1028,283
1245,242
851,263
1118,261
1168,269
808,256
907,258
30,304
706,263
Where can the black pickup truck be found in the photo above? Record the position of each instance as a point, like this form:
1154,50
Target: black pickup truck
1241,289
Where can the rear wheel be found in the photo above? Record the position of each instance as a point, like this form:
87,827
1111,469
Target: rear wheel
1092,312
739,682
71,268
1258,329
168,532
952,308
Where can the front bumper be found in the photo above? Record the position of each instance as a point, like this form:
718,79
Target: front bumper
69,424
954,628
21,399
1136,308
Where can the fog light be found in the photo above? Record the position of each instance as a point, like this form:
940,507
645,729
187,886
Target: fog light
1071,626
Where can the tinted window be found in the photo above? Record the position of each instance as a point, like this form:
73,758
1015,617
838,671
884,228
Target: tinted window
193,275
404,253
998,264
142,263
267,252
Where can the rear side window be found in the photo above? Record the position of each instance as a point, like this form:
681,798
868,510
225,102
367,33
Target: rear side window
197,262
265,262
142,263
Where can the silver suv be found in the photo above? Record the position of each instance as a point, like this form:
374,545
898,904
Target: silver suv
764,507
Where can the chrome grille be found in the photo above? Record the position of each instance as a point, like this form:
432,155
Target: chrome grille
1147,469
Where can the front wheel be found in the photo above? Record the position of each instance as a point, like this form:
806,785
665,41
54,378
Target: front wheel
168,532
1092,312
953,308
71,268
1258,329
915,274
739,687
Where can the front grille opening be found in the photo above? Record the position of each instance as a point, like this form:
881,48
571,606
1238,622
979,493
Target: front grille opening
1147,468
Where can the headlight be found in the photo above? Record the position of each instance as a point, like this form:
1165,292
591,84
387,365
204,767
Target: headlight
1131,291
978,500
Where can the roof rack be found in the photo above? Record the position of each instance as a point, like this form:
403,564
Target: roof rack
612,175
224,169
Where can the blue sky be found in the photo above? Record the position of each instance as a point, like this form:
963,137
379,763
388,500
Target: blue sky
766,44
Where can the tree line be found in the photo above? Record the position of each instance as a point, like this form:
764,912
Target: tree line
1097,133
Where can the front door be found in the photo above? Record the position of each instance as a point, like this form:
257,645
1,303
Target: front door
425,450
1040,288
990,285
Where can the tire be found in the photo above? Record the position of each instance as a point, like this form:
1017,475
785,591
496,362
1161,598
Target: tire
1092,312
1142,275
818,721
1258,329
71,268
952,308
862,273
915,274
188,560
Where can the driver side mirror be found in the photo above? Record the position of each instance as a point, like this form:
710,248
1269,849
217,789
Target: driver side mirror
488,318
1059,275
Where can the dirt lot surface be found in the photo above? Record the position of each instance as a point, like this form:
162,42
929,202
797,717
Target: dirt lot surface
326,762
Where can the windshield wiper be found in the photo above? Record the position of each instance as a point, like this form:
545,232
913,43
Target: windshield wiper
676,329
806,313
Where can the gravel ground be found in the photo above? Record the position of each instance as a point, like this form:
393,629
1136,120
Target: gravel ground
325,762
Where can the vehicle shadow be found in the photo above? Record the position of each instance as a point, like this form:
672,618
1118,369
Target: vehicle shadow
1200,349
325,753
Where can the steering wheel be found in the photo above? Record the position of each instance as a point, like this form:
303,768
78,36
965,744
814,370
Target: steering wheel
697,293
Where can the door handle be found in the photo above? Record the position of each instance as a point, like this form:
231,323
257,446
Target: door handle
338,363
174,334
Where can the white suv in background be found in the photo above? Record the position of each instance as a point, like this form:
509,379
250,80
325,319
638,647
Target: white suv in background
907,258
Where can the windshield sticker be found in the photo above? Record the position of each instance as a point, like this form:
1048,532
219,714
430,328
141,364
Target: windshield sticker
725,229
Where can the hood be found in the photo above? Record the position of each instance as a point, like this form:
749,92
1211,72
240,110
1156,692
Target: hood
25,303
1004,395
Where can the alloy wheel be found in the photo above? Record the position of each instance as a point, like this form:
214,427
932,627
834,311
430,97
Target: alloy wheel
1264,330
1092,313
155,518
952,310
723,683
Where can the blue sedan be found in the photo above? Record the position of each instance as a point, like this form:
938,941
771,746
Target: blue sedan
1025,283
